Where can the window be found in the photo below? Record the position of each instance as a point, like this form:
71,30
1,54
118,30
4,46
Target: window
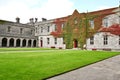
119,39
76,21
91,23
36,30
105,40
119,20
31,32
48,40
48,29
62,25
9,29
105,22
92,40
21,30
55,40
41,29
55,27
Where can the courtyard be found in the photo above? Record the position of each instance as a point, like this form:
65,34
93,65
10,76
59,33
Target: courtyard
40,63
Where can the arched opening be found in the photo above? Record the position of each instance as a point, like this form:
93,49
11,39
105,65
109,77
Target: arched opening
75,43
11,42
29,43
4,42
24,43
34,43
18,43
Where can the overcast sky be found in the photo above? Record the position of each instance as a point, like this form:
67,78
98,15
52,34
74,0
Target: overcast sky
25,9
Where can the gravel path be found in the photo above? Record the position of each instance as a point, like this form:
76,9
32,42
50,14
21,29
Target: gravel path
105,70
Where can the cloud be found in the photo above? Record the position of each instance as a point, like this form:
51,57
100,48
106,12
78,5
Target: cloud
26,9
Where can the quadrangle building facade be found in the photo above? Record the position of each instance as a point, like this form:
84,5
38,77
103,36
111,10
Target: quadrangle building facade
15,34
90,30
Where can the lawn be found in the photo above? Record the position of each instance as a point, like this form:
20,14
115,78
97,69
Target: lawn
39,64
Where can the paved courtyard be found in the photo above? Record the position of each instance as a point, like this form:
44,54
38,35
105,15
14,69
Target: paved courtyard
105,70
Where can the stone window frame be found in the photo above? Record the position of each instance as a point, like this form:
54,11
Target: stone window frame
48,40
119,39
31,32
48,28
92,24
105,39
62,25
92,40
55,40
55,27
21,30
105,22
9,29
41,30
36,29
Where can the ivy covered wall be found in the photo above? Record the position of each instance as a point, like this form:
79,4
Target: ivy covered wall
77,27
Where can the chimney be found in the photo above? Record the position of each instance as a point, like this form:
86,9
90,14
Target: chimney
44,19
31,20
36,19
17,20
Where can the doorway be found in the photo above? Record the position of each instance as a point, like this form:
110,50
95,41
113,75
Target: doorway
75,43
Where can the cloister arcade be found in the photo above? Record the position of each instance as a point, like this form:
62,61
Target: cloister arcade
17,42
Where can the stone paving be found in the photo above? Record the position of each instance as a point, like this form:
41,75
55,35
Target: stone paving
108,69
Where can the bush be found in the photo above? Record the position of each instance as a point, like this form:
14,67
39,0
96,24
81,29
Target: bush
60,47
52,46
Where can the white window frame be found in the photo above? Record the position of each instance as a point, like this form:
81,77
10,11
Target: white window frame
91,23
92,40
105,39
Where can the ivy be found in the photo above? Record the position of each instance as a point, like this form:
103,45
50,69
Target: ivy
79,31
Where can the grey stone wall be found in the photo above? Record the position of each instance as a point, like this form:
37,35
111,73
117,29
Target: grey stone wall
13,30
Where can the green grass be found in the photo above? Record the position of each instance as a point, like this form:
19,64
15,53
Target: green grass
23,49
37,65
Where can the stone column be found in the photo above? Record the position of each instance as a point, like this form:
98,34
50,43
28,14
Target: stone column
21,41
8,40
14,42
27,42
0,41
32,42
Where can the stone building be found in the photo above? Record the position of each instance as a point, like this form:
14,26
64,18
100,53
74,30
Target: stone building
15,34
71,31
44,30
108,36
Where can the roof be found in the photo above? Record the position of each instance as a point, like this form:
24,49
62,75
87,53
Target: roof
104,11
114,29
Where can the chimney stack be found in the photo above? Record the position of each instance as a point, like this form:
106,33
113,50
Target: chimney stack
44,19
31,20
36,19
17,20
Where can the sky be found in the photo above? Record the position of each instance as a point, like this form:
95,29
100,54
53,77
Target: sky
49,9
